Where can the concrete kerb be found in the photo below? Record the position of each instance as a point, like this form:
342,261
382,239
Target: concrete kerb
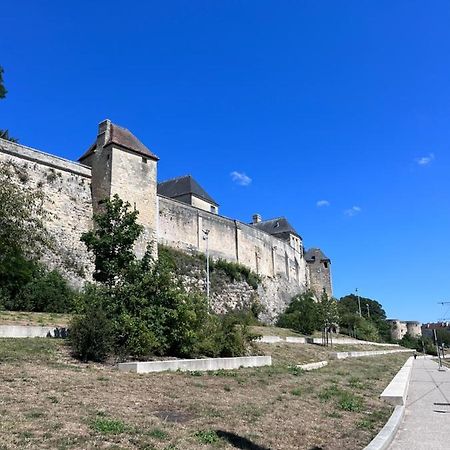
268,339
312,366
396,391
385,437
344,355
202,365
395,394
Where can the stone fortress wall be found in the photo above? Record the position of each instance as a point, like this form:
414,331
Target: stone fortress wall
399,328
67,198
181,226
73,192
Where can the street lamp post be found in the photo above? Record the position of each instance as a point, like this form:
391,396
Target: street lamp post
206,238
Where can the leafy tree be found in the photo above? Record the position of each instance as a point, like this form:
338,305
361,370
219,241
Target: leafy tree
112,240
349,316
146,308
3,91
24,282
302,314
4,134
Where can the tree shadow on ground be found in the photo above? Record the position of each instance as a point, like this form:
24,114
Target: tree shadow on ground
243,443
239,442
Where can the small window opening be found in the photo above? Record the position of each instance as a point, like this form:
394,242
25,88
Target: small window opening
325,264
213,209
144,160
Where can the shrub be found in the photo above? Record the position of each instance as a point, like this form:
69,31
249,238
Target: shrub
301,315
91,333
47,292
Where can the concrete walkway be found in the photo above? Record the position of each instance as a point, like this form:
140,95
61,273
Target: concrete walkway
426,423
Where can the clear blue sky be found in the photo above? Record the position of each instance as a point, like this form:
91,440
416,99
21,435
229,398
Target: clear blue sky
346,103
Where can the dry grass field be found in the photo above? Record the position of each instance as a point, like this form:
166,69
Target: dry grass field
33,318
50,401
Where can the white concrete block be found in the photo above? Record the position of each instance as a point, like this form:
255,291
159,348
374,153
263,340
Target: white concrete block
196,364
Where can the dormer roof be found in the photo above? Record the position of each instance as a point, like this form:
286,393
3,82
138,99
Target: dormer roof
176,187
315,254
276,226
123,138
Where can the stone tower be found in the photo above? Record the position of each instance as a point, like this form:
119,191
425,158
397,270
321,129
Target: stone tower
319,271
122,165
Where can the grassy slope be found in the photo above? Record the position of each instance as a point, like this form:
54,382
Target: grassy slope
51,401
32,318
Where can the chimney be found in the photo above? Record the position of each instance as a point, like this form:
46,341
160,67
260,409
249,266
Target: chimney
104,133
256,218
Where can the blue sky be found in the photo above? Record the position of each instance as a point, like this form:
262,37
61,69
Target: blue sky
343,103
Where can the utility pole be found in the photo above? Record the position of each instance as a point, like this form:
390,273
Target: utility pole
359,303
206,238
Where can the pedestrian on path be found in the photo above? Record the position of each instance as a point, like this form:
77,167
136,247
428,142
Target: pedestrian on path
415,354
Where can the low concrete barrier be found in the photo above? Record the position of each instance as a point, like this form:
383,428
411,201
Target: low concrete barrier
396,391
310,340
270,339
25,331
196,364
296,340
384,438
313,366
344,355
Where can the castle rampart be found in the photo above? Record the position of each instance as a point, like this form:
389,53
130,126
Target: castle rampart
119,163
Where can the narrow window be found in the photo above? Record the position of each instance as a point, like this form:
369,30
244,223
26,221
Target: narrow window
144,160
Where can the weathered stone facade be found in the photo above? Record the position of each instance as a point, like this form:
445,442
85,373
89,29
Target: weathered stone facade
117,163
399,328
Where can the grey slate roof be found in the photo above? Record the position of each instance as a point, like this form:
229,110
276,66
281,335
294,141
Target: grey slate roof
124,138
315,254
276,226
176,187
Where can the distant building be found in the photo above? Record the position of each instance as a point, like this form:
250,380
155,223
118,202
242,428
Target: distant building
428,328
399,328
185,189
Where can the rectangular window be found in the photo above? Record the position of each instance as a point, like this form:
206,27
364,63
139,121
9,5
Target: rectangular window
144,160
213,209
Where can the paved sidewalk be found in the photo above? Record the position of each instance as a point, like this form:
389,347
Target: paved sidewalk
426,424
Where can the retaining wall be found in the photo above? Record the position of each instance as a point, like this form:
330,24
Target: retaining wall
196,364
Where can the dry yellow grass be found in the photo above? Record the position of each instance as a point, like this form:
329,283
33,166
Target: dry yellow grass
50,401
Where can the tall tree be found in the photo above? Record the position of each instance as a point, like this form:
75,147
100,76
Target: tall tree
4,134
112,240
3,91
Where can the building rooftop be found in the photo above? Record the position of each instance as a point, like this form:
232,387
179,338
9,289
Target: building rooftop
176,187
315,254
276,226
123,138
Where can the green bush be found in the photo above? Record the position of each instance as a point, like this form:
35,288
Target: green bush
91,333
302,314
26,285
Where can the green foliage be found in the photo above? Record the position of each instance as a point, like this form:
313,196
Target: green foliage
372,326
236,272
328,312
24,282
91,334
3,91
144,308
47,291
207,436
22,230
112,240
302,314
108,426
4,134
420,344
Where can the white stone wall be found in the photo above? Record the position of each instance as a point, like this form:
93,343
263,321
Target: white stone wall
66,187
181,226
133,178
